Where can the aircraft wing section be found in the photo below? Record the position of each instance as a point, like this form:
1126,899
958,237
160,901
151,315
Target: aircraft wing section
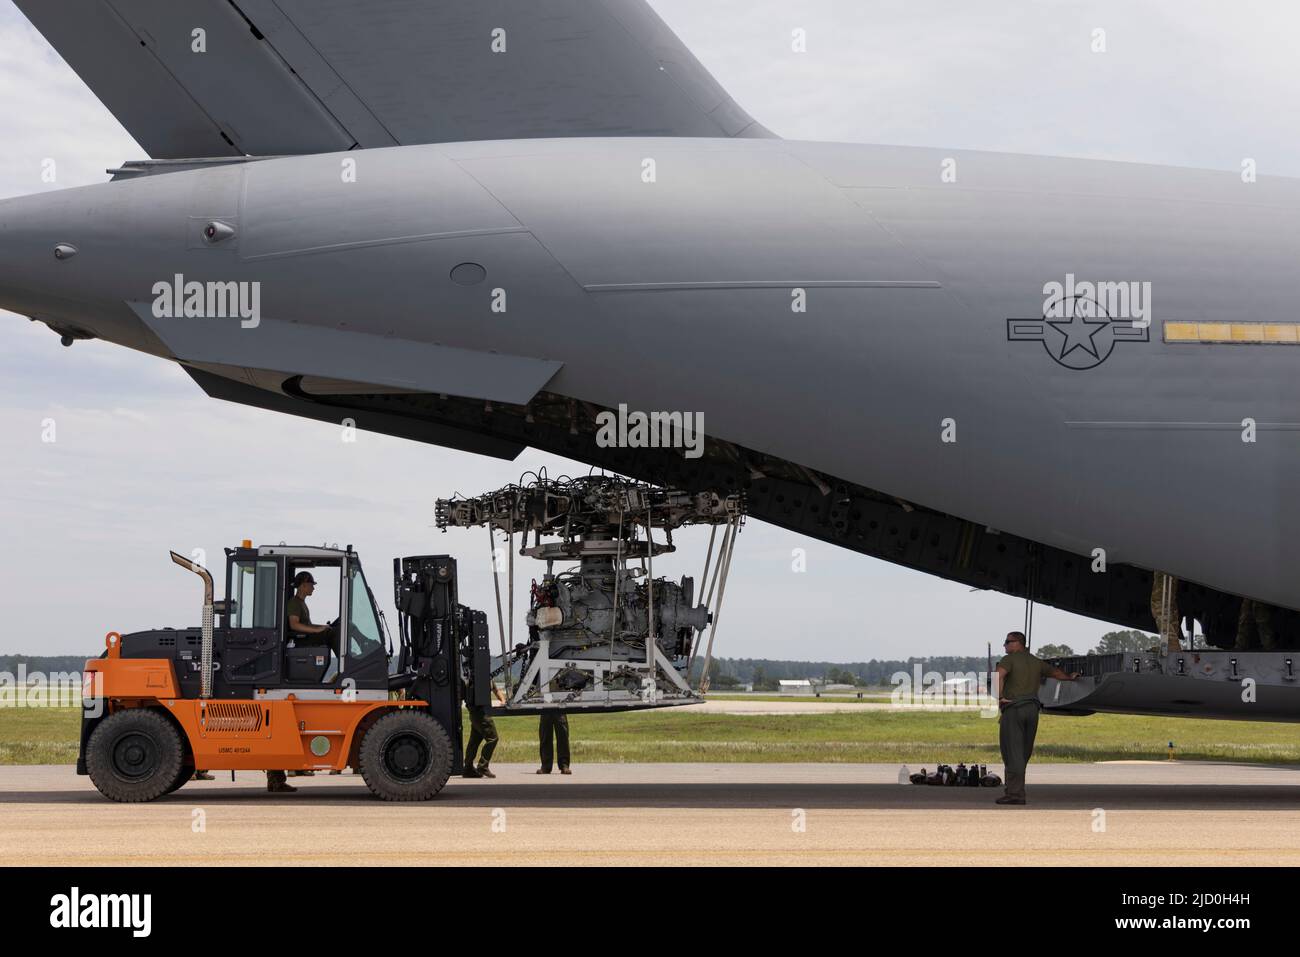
211,78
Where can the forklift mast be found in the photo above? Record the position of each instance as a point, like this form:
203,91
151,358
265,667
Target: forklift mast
444,645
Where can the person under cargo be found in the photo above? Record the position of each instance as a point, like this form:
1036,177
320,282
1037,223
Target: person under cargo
1019,675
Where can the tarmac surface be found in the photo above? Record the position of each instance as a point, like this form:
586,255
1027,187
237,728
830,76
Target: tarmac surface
1119,813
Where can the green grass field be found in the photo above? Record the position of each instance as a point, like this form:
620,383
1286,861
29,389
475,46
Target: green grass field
49,736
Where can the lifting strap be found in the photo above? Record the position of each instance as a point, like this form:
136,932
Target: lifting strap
1031,588
501,627
721,572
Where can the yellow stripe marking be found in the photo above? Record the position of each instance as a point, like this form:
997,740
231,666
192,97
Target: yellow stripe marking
1234,333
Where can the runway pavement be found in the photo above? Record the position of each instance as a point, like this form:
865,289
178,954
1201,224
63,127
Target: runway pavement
1126,813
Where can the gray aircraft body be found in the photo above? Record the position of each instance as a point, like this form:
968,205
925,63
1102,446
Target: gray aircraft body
1043,376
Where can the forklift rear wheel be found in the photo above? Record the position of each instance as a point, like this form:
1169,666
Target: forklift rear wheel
135,755
406,756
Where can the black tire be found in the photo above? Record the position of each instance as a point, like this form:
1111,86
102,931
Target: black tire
135,755
405,756
186,772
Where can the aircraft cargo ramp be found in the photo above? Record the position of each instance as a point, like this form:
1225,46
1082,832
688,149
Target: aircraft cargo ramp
1201,682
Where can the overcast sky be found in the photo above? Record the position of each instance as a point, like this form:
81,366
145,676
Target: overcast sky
144,463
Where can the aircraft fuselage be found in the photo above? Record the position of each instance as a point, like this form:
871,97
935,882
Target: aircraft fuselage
875,315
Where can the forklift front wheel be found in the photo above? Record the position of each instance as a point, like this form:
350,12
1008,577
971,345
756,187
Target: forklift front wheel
134,755
186,772
406,756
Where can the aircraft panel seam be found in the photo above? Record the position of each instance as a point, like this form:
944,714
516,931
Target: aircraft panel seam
325,63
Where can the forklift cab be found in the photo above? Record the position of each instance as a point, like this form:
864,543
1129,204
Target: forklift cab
262,653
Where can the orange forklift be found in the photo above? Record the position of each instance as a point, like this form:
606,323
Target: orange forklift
243,692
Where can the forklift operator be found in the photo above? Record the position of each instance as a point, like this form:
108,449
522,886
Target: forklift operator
300,627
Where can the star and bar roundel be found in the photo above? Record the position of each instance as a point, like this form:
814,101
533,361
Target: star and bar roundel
1081,335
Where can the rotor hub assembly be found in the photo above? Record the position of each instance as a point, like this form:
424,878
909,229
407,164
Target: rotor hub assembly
603,632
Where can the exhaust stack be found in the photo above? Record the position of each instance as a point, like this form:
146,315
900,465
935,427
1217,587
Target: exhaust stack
205,686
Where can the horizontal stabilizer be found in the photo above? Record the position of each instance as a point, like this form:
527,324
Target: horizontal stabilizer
134,169
277,77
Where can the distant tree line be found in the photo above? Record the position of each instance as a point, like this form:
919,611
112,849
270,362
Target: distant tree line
763,673
46,664
1111,643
